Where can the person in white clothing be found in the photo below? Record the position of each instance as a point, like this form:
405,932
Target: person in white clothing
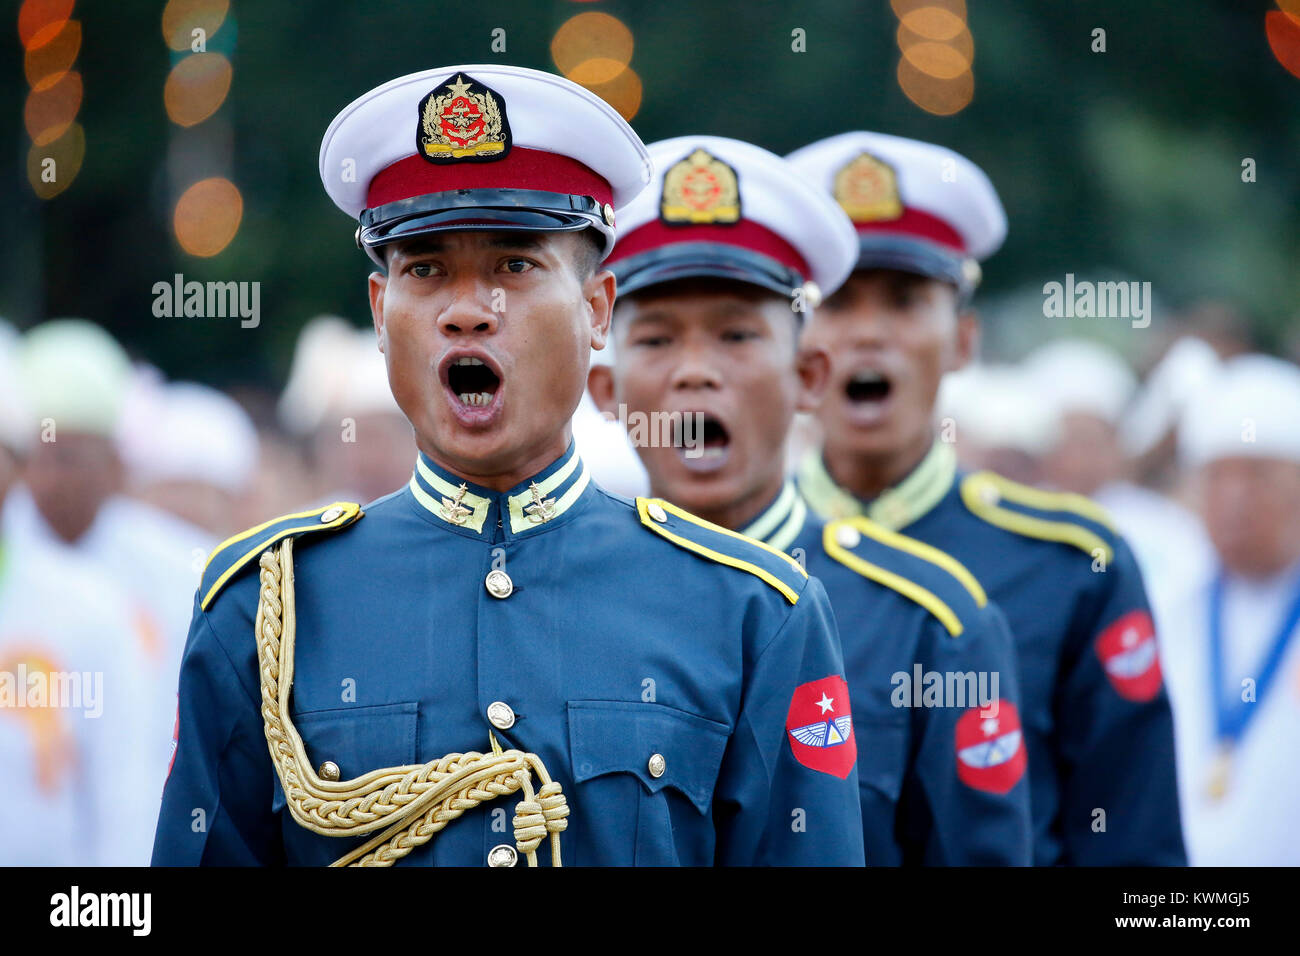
1232,650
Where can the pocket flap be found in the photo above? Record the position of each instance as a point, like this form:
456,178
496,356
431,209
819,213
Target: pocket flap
608,736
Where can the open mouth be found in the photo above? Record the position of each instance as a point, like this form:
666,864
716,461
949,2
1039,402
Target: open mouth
703,441
472,381
868,386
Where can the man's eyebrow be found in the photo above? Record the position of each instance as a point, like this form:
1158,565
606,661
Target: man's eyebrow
516,240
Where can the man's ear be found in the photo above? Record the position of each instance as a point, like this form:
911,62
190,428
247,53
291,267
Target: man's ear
378,286
599,292
967,345
813,366
600,383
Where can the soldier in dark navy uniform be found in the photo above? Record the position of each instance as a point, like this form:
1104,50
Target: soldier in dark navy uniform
501,636
718,262
1096,716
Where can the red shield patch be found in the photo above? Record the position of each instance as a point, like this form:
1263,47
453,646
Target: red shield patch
1128,654
819,727
991,752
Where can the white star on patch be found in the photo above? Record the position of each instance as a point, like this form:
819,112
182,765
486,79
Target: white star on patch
1130,637
989,726
826,703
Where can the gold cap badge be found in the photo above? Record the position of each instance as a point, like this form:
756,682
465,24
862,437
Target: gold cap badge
700,189
867,189
462,120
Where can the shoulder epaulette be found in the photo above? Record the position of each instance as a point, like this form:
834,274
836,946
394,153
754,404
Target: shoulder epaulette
932,578
234,554
722,545
1035,513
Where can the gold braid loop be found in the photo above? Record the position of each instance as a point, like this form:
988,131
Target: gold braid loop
410,803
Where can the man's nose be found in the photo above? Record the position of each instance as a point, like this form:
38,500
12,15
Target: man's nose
696,370
470,309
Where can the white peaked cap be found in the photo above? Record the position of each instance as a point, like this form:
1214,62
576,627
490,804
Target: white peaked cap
1251,409
564,157
184,431
74,373
1078,375
729,209
916,206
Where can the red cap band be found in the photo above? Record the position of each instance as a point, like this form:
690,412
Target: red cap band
746,234
521,169
914,222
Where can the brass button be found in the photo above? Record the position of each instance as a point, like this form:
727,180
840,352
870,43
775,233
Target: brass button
812,294
329,770
331,515
608,213
657,765
656,512
503,854
847,536
500,715
499,584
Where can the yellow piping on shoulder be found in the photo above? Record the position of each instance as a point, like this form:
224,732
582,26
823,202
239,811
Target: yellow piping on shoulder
983,490
730,560
909,589
348,509
925,552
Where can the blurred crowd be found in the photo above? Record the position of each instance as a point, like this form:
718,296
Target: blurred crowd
117,483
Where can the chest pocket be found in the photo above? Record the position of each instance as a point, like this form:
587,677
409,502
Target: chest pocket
357,739
632,815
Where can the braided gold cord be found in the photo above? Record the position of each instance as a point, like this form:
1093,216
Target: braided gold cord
410,803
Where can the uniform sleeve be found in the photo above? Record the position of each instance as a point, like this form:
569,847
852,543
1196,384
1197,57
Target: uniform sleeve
1119,796
216,807
771,806
965,797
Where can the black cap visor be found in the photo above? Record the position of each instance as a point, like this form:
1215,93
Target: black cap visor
687,260
877,251
498,210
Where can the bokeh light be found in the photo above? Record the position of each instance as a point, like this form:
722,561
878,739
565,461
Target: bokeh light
207,216
938,60
49,112
933,23
1283,31
597,43
196,87
46,64
905,8
623,93
40,20
181,17
942,97
60,159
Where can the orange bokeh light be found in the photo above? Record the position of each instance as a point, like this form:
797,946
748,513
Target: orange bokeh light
599,44
40,20
933,23
196,87
904,8
207,216
49,112
1283,31
46,64
942,97
181,17
939,60
623,92
60,159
